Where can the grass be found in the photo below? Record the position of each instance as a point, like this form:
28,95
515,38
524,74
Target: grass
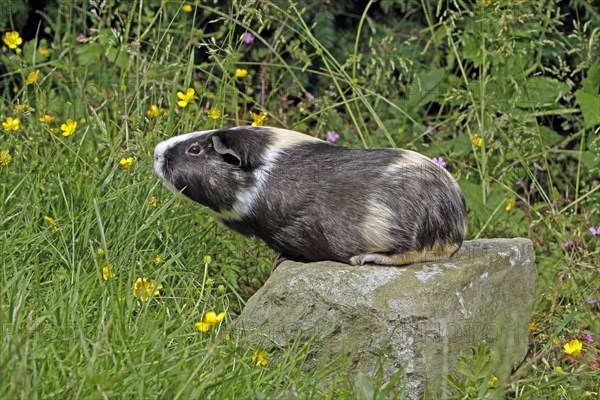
67,208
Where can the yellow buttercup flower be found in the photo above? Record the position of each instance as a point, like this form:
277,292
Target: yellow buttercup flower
213,318
50,222
21,108
187,8
12,39
5,158
126,163
573,348
46,119
107,272
43,51
33,77
11,124
153,202
202,326
510,203
68,127
157,259
83,120
531,327
493,382
153,111
214,113
476,140
210,320
258,119
186,97
259,358
241,73
143,288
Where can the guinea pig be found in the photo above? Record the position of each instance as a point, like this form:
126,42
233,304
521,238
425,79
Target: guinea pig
311,200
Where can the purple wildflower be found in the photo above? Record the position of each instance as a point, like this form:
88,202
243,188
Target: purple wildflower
566,244
248,38
123,117
587,336
595,231
332,136
591,300
309,96
80,38
429,128
439,161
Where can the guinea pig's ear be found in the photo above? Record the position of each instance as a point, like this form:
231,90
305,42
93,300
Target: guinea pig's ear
230,156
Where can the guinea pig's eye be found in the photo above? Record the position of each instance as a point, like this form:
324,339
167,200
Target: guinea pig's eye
194,149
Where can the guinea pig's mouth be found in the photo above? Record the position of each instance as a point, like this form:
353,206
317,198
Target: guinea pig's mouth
168,181
163,171
159,166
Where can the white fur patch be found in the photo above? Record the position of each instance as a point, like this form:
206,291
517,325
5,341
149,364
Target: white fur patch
282,139
162,147
409,158
374,228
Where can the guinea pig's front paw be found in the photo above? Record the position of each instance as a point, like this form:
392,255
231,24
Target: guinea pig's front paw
363,259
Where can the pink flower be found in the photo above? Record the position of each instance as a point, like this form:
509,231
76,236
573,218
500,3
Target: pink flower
332,136
429,128
309,95
595,231
591,300
80,38
248,38
439,161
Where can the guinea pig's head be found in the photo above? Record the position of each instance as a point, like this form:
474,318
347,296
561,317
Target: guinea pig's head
211,167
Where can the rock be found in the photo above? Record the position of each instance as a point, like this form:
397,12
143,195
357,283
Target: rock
418,318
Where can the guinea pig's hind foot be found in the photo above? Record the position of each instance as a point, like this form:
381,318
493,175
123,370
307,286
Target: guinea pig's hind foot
436,253
408,257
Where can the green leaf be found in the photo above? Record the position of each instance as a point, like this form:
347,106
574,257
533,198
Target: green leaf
591,83
117,56
462,144
89,54
542,91
549,136
472,196
590,159
426,88
590,108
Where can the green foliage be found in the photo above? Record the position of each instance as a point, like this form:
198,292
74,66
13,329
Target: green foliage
475,378
506,91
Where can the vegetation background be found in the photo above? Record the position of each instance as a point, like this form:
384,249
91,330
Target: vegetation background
112,287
